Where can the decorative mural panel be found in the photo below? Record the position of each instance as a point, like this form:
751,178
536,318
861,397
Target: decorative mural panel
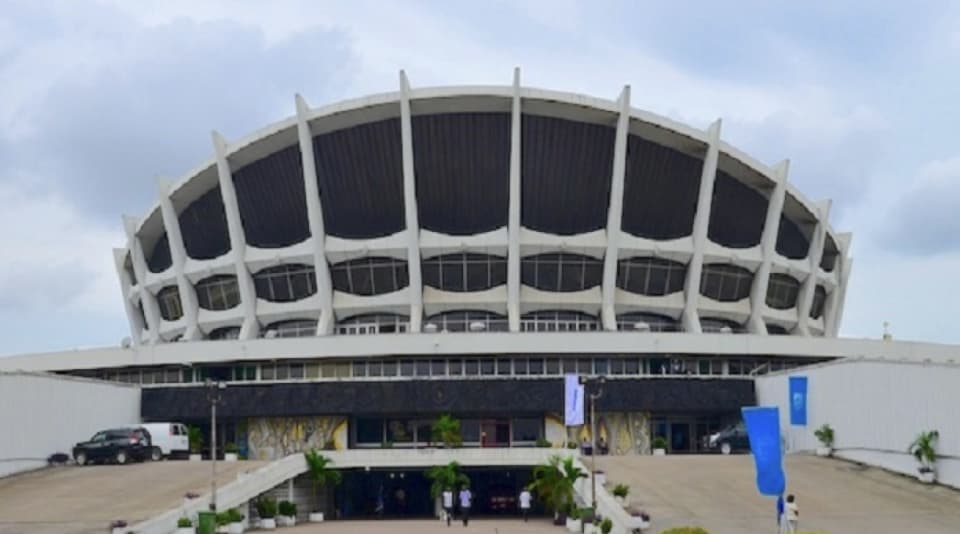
272,438
624,432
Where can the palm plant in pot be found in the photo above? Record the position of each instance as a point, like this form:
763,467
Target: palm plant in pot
659,446
234,521
287,514
322,475
924,449
446,430
825,435
445,477
185,526
195,438
230,452
553,483
267,510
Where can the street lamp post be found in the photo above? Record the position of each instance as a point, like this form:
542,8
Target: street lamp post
593,437
214,390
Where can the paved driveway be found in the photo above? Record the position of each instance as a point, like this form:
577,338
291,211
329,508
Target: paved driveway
86,499
719,494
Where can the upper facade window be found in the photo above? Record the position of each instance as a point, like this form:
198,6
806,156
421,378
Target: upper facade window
291,328
373,323
647,322
561,272
285,283
651,276
218,292
465,272
226,332
726,283
782,291
722,326
558,321
370,276
169,301
467,321
819,301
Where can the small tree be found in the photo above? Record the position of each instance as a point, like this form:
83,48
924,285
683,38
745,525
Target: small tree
924,449
553,483
446,429
825,435
446,476
321,473
195,438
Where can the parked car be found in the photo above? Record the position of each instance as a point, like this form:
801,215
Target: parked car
119,445
170,438
731,439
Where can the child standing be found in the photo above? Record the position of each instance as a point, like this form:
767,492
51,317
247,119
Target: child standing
792,513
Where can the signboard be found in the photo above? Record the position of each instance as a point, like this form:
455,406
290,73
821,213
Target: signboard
798,400
572,400
763,429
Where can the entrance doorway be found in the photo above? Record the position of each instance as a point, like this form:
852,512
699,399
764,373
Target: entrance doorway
495,433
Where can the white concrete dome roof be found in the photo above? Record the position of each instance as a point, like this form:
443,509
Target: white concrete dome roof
502,208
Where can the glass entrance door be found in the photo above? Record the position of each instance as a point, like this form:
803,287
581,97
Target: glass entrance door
495,433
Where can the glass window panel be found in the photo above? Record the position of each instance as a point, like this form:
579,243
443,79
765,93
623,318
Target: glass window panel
400,430
390,368
631,366
519,366
456,367
503,366
569,365
472,367
283,371
486,366
268,372
438,367
342,369
553,366
423,367
616,366
296,370
359,368
535,366
369,430
470,430
526,429
374,368
406,368
585,366
600,366
424,432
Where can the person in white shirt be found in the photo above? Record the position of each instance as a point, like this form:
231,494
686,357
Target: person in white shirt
448,504
466,499
792,514
525,499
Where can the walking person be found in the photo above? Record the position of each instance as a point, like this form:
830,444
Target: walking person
525,499
466,499
792,513
448,504
781,521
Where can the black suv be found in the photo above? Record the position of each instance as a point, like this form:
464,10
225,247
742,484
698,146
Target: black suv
119,445
732,438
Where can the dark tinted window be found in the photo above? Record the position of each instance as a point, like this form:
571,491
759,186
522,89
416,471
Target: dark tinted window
285,283
651,276
218,292
782,291
370,276
726,283
561,272
169,301
465,272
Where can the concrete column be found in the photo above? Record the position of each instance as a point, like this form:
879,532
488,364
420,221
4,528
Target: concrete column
615,214
238,240
768,245
410,208
513,224
805,299
133,318
701,223
834,302
151,310
178,253
315,217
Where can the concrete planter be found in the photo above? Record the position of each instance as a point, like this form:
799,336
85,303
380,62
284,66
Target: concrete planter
230,457
286,521
927,477
622,501
185,530
824,451
268,524
591,528
222,529
601,477
659,452
235,528
195,457
316,517
573,525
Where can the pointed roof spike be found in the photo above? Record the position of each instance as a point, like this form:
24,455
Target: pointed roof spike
624,98
713,131
516,76
163,185
404,82
823,206
219,142
845,239
302,107
130,224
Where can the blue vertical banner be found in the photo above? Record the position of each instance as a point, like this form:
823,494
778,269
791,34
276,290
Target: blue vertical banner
798,400
763,429
572,400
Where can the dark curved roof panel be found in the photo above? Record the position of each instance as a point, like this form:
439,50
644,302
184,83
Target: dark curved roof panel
565,174
204,227
661,187
462,163
159,259
360,175
737,214
271,198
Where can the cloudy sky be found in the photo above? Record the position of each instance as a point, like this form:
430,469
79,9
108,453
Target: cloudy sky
97,98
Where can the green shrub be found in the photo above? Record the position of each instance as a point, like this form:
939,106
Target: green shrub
184,522
231,448
223,518
660,442
606,526
234,515
621,490
267,508
685,530
825,435
571,444
287,508
543,443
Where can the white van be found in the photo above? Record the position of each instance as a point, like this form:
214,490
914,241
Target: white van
170,438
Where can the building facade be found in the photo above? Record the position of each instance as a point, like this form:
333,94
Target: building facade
358,269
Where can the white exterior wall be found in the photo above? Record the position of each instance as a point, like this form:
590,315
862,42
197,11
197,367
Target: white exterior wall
44,414
876,409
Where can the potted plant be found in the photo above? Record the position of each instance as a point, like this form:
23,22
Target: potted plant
825,435
606,526
543,443
445,477
446,429
572,445
287,514
184,526
322,475
195,437
620,492
234,521
119,526
924,449
230,452
553,483
659,446
267,510
573,520
222,520
593,527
